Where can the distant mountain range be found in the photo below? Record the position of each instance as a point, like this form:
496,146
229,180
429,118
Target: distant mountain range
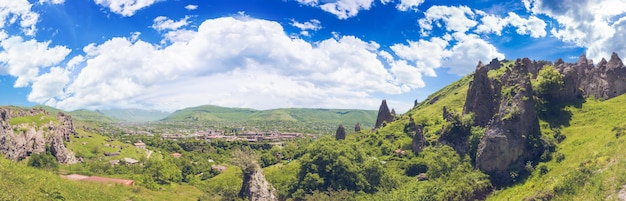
347,117
211,113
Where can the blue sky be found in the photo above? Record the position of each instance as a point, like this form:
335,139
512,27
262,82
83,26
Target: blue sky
171,54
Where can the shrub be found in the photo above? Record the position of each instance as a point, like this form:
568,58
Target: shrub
43,161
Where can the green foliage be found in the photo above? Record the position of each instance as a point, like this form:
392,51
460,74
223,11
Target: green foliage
44,161
415,166
163,171
548,81
332,165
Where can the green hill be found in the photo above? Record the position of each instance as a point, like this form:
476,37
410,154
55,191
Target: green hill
83,115
135,115
304,116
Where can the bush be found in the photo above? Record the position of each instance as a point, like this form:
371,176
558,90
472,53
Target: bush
44,161
559,157
415,167
543,169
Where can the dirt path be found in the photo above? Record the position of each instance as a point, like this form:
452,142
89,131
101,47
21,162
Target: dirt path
621,195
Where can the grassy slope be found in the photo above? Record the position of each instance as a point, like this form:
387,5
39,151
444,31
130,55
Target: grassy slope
84,115
215,113
594,167
20,182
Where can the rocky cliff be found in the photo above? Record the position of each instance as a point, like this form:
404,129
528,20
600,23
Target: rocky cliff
17,142
505,144
481,96
384,115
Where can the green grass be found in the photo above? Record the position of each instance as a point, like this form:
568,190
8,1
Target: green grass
92,146
20,182
37,120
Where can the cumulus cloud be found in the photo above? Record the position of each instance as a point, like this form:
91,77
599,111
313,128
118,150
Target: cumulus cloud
463,19
228,61
162,23
532,26
454,18
48,86
18,12
312,25
343,9
191,7
125,7
426,54
597,25
24,59
468,50
406,5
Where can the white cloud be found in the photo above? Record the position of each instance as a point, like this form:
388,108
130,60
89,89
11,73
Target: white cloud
304,27
18,11
426,54
49,85
343,9
593,24
228,62
191,7
23,59
125,7
532,26
468,50
162,23
455,19
459,54
405,5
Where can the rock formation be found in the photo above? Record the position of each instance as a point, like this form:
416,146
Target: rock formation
508,139
20,141
481,96
255,187
454,133
357,127
341,133
607,80
384,115
419,142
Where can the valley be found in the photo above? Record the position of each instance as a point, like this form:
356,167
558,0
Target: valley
512,130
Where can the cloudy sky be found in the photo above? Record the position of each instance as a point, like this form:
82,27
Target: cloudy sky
171,54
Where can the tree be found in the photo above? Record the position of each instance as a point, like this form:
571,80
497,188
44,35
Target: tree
332,165
43,161
549,81
163,171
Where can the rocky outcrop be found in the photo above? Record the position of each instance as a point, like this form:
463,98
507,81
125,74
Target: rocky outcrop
419,142
384,115
357,127
508,139
341,133
606,80
255,187
17,142
481,96
67,126
454,133
18,146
